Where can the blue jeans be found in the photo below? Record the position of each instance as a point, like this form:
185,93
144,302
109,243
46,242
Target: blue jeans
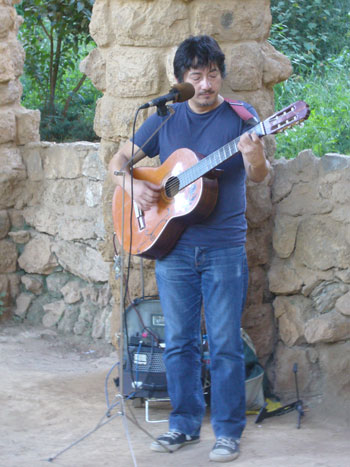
219,277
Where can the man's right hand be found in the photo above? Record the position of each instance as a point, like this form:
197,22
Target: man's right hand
145,194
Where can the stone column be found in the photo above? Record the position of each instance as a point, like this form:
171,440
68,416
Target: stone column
136,41
18,126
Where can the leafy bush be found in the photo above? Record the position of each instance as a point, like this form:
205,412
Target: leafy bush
55,36
309,31
327,91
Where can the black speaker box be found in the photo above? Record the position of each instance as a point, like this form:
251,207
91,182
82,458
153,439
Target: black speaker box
144,371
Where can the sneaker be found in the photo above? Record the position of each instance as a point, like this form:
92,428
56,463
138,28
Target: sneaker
224,450
173,440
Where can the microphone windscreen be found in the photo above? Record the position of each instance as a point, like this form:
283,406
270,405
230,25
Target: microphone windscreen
185,91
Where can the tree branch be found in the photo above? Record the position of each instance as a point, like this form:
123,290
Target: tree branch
75,90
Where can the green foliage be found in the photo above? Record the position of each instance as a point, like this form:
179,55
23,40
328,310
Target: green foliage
314,35
309,31
55,36
327,91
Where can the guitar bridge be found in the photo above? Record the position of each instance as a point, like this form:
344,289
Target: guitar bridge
139,216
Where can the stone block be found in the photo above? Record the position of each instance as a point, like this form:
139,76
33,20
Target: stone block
69,318
82,261
93,194
33,284
83,325
313,247
284,235
7,126
94,66
11,60
23,303
342,305
124,67
258,245
330,327
308,372
100,24
93,166
7,69
107,149
257,286
150,24
8,257
28,122
5,224
32,158
12,167
245,67
277,67
284,277
325,295
53,313
72,292
20,236
112,125
55,282
98,325
232,21
37,256
10,92
292,313
7,21
335,365
64,160
259,205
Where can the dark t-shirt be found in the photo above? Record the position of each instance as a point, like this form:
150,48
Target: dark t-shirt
205,133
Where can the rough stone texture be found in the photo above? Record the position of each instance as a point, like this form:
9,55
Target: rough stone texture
4,224
33,284
38,257
309,272
13,131
23,303
8,256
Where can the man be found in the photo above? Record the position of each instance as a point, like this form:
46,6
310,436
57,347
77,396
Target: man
208,263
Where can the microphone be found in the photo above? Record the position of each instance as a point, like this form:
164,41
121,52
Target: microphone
178,93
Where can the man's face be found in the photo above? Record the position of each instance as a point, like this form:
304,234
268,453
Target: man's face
207,83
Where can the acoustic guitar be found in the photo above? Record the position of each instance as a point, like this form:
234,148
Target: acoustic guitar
189,191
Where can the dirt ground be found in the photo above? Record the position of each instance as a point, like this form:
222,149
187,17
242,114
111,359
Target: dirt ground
52,392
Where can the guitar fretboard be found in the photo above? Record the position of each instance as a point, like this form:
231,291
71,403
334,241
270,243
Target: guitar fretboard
214,159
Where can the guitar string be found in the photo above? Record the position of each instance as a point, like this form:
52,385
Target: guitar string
208,164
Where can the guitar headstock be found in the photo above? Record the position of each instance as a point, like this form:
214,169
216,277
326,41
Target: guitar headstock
292,115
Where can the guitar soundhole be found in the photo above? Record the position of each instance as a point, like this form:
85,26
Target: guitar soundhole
172,187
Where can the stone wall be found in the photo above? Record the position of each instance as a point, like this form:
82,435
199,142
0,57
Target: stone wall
54,232
309,276
136,41
18,126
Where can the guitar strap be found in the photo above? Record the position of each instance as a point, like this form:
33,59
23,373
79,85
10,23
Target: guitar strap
241,110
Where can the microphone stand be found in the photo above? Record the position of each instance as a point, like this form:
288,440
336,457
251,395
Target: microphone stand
168,111
162,110
119,271
296,405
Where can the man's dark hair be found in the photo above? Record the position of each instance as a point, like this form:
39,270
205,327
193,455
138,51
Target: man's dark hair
197,52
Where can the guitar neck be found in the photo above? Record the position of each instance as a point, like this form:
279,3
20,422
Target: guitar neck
216,158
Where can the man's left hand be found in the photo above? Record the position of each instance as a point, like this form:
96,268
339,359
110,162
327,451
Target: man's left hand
252,149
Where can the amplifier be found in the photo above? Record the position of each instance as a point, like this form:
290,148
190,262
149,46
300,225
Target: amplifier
144,371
